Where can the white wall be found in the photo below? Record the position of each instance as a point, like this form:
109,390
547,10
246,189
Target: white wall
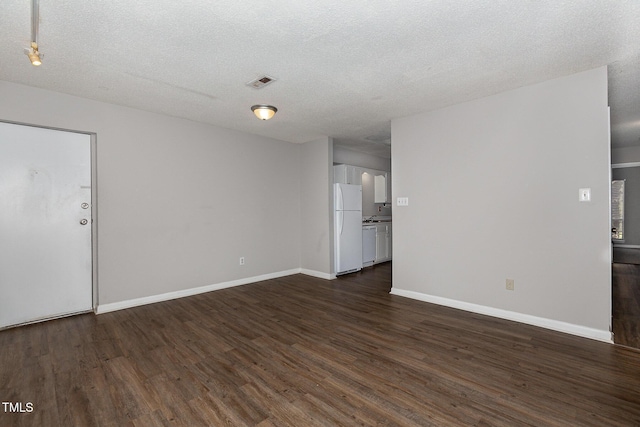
493,194
178,201
316,176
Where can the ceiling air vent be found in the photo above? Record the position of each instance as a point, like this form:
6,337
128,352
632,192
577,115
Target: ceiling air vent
261,82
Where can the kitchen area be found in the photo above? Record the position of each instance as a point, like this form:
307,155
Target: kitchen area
362,217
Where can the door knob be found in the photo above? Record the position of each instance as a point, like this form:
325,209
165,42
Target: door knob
83,222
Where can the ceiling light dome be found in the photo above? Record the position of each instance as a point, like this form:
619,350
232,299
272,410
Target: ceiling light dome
264,112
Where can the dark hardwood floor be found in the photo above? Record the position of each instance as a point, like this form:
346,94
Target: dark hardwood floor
626,304
301,351
626,255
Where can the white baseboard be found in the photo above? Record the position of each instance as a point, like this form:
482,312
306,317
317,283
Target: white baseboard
555,325
318,274
105,308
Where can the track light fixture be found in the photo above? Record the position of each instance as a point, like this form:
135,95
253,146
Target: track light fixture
34,55
264,112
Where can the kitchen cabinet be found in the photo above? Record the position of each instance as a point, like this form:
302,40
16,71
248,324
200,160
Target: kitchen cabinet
380,187
347,174
383,242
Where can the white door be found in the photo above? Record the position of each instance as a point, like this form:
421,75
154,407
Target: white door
45,224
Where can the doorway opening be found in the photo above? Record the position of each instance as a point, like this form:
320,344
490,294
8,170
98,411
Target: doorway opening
625,269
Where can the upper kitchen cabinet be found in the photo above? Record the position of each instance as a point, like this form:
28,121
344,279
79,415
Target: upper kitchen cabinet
380,187
347,174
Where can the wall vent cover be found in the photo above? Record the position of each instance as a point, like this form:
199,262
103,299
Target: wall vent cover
261,82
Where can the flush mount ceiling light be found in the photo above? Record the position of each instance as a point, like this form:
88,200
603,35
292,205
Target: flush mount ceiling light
34,55
264,112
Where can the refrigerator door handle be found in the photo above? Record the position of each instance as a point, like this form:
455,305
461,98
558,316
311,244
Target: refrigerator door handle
340,222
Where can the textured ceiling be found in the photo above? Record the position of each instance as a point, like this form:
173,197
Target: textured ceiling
344,69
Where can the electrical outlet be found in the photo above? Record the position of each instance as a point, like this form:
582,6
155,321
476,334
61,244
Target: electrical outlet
241,260
510,285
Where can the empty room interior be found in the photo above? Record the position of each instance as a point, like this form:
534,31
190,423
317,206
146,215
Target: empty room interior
319,213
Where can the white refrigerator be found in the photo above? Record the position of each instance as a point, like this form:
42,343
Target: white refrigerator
348,227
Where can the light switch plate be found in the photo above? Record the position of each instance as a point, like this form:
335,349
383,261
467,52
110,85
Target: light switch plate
584,195
510,284
403,201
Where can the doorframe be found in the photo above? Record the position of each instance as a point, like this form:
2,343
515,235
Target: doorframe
93,145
